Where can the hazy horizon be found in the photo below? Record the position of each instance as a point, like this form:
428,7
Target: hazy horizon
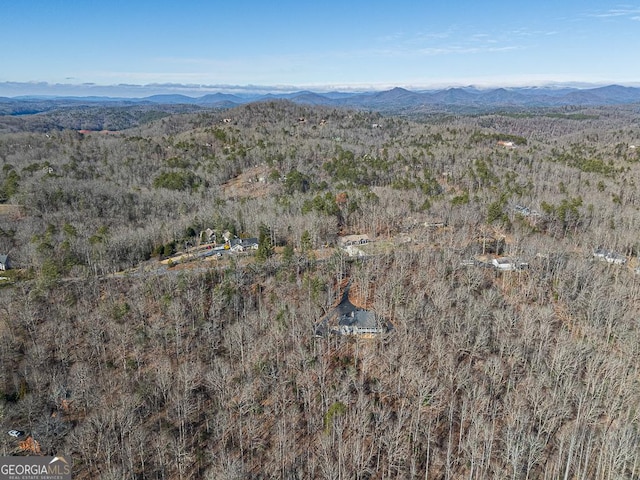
298,46
44,89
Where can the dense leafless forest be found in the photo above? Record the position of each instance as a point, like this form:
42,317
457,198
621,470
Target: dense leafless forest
125,348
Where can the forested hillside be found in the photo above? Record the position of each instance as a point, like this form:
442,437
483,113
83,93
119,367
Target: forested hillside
124,346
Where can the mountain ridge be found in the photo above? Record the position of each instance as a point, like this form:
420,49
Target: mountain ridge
395,99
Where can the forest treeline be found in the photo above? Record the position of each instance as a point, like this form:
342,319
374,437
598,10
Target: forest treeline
214,372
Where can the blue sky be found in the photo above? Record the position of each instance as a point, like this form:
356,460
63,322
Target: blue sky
318,45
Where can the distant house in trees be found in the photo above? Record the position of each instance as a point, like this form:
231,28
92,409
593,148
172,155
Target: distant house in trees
616,258
5,264
522,210
503,263
609,256
507,264
350,240
243,244
533,215
350,243
235,246
600,253
348,319
361,322
435,224
250,243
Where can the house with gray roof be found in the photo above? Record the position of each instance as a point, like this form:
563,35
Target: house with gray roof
506,264
360,322
609,256
351,240
243,244
348,319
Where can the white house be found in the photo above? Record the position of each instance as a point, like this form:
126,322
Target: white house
243,244
506,264
601,253
609,256
348,240
616,258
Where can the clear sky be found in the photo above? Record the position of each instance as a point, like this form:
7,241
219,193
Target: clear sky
322,45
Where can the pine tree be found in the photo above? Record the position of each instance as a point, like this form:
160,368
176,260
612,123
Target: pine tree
265,249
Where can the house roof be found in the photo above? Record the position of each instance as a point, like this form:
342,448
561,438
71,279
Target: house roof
4,258
352,239
609,255
503,260
359,318
245,242
348,318
507,263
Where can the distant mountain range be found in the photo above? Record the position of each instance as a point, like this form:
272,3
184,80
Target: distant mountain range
394,100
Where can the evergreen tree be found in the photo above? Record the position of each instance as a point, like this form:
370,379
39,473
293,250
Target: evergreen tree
265,249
